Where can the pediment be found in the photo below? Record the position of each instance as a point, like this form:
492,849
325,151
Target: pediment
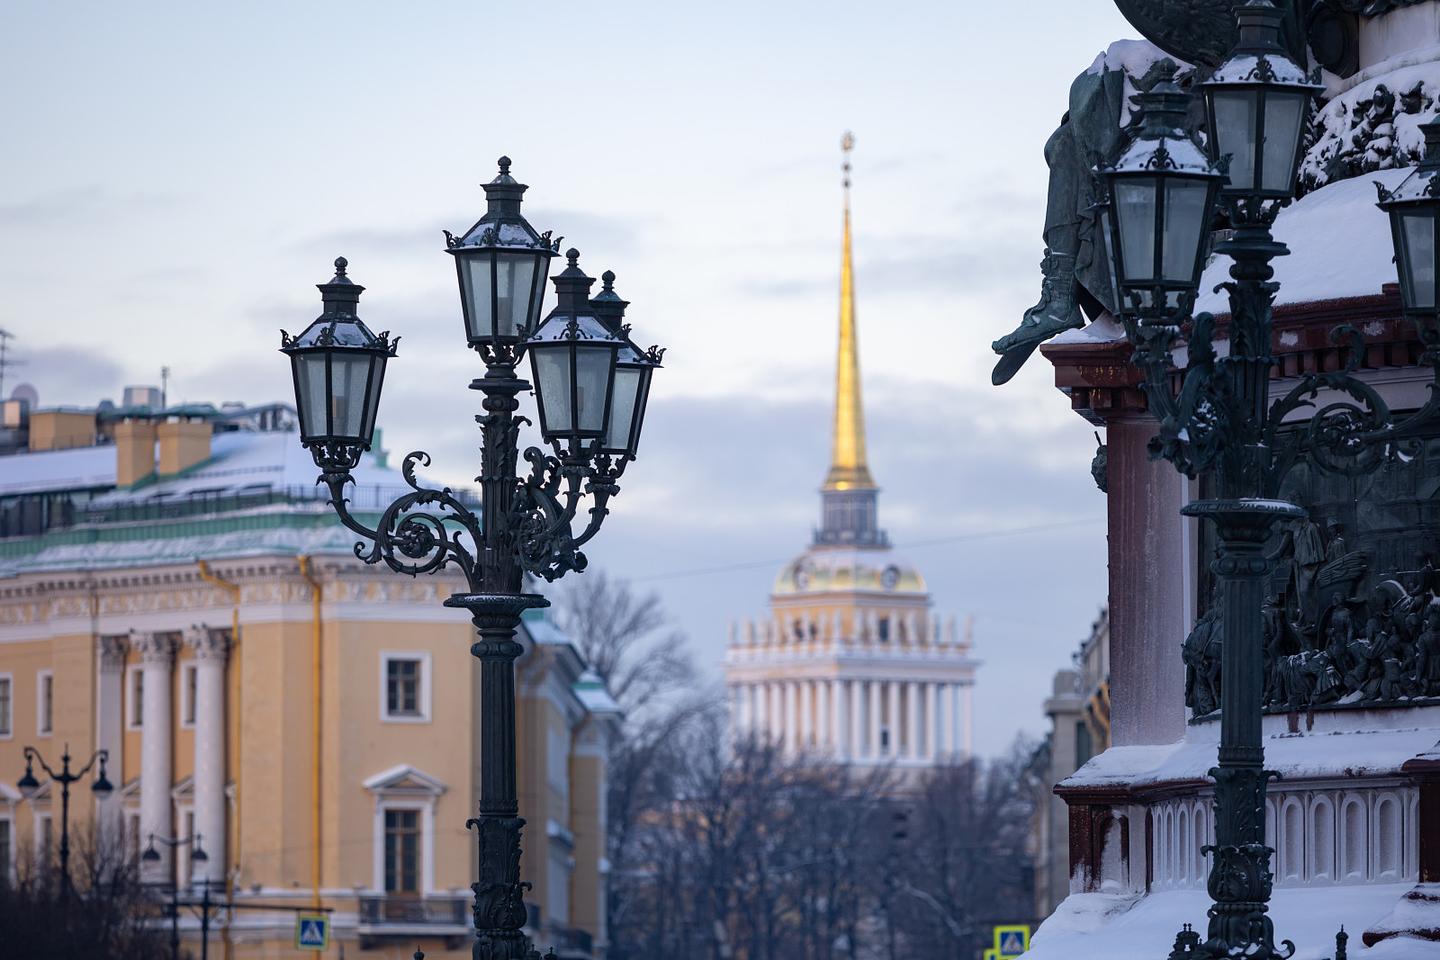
405,779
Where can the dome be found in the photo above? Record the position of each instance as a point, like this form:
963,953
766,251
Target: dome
846,570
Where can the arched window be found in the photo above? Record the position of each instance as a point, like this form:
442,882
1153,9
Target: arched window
1352,839
1389,837
1292,842
1322,839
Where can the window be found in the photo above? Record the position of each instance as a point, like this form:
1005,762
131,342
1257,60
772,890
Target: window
402,851
44,702
135,712
7,700
405,687
884,628
188,674
43,836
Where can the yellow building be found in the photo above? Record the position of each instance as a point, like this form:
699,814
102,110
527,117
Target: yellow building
172,590
852,664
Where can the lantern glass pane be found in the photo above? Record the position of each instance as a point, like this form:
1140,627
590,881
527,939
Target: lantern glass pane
594,368
514,292
552,383
1235,121
646,373
1418,258
622,407
475,274
1283,115
1184,229
349,375
1135,209
310,393
372,400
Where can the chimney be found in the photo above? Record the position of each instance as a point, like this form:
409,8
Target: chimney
184,442
134,451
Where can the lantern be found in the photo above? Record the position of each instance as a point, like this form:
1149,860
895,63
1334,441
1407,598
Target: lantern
1414,209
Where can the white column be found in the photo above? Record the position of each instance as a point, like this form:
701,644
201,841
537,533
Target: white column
945,714
788,734
807,714
912,724
931,727
837,718
967,716
759,696
212,649
822,715
872,749
856,747
110,730
894,717
157,656
777,715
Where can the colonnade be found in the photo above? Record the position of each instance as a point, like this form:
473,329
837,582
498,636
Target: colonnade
857,719
157,652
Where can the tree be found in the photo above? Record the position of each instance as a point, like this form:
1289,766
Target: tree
107,914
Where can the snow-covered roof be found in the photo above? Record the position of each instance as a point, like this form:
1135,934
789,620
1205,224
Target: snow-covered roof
1103,926
80,468
1339,246
1295,756
239,460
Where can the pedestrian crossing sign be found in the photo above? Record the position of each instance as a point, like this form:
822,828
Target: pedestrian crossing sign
1011,941
312,931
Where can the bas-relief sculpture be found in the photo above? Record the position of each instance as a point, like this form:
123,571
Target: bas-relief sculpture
1353,612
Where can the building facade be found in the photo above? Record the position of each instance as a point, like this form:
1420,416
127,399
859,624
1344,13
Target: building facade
172,590
1352,703
852,664
1078,709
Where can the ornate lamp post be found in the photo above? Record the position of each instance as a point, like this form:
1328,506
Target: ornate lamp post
1221,421
591,383
29,786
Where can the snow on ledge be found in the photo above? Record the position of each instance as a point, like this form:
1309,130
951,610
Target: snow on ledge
1103,926
1104,329
1313,756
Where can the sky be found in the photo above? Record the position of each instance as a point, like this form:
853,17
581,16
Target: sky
178,176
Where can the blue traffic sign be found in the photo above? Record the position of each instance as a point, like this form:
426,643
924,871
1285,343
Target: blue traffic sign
312,931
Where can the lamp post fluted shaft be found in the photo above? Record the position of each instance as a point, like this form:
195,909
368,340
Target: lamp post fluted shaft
592,386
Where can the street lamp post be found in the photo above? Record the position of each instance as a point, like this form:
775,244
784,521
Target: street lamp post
1221,422
198,857
30,786
591,383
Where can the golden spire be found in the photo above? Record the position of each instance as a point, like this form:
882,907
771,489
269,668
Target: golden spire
848,469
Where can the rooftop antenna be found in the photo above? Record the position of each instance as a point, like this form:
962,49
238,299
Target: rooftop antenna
164,387
5,361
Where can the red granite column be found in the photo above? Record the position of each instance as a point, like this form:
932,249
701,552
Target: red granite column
1147,587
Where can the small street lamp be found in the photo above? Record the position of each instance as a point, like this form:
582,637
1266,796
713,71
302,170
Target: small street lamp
29,786
592,384
1222,422
198,858
1414,209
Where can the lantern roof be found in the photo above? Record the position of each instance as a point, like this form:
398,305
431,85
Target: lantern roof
338,326
609,308
503,225
574,316
1423,183
1165,143
1260,55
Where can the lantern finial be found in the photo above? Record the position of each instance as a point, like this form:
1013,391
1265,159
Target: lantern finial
340,264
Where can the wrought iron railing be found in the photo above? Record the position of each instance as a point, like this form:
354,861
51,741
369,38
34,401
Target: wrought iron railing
413,911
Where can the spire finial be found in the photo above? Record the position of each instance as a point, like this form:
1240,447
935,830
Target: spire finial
504,166
572,257
848,469
607,281
340,264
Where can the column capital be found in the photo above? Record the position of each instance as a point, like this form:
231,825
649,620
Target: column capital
208,643
112,651
154,648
